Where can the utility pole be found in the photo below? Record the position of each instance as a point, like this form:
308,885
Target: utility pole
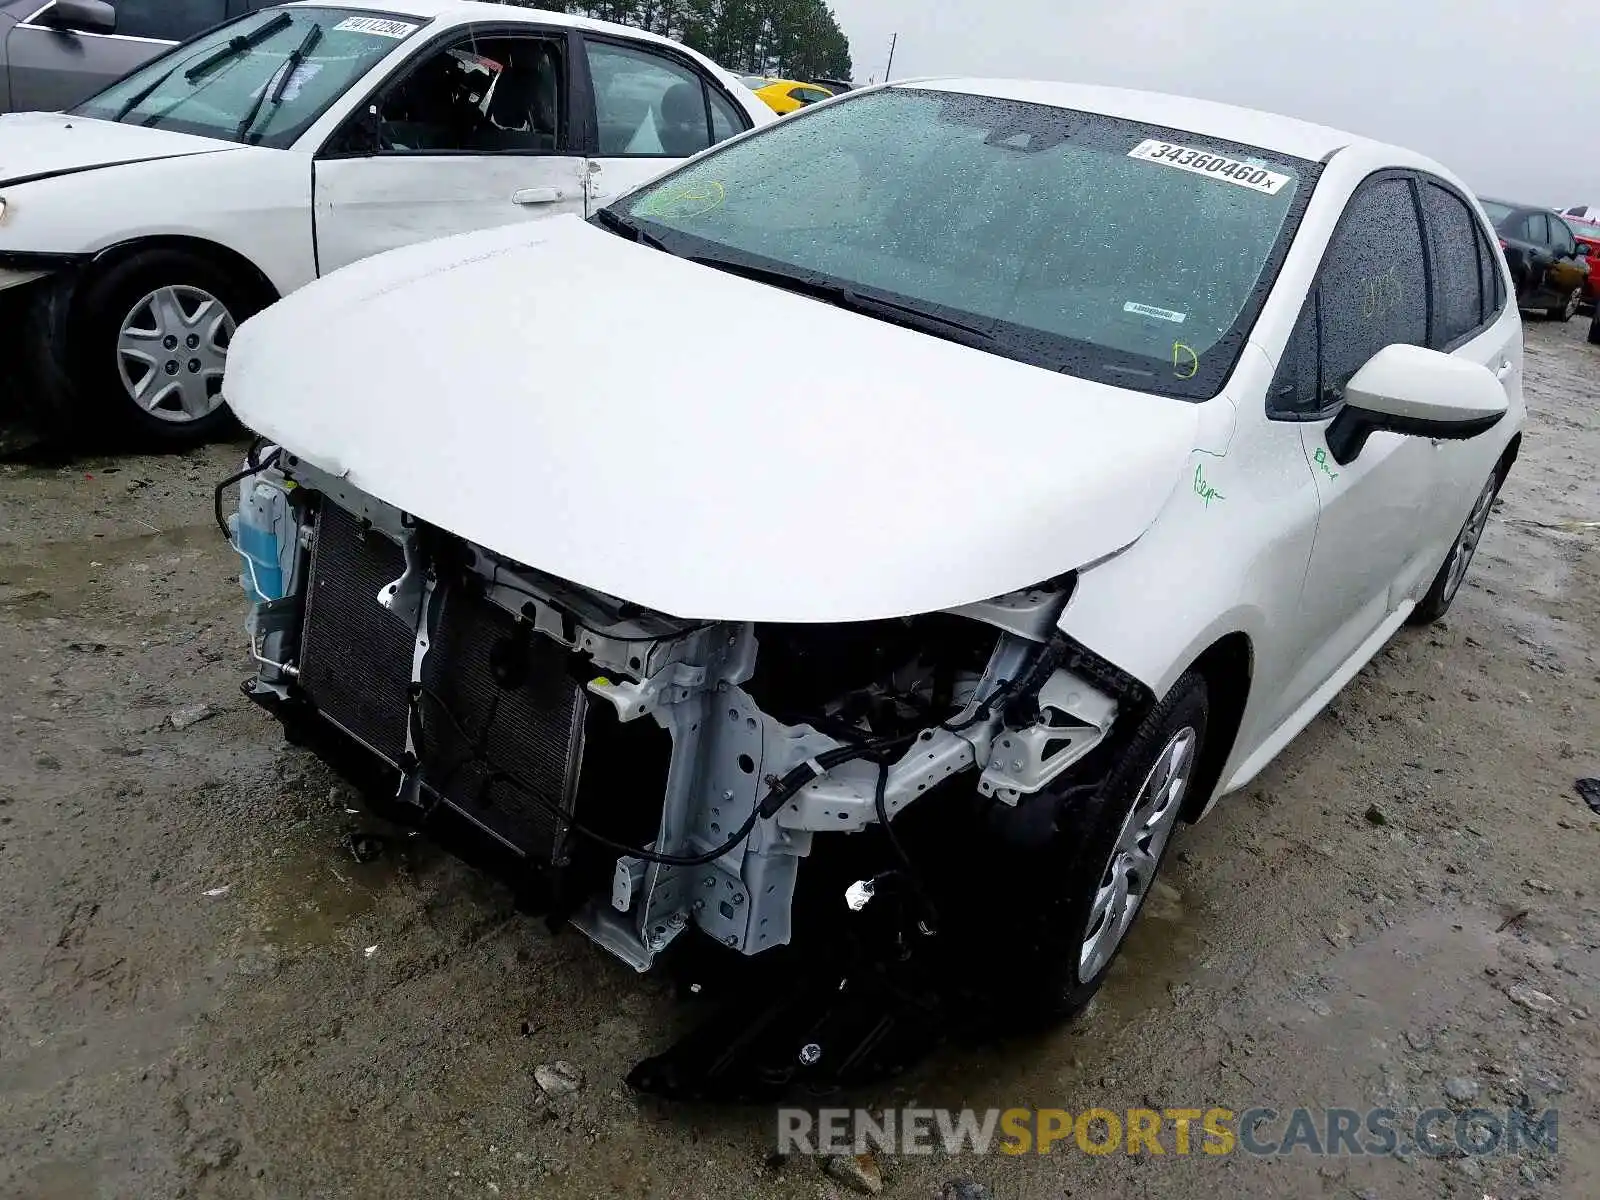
890,67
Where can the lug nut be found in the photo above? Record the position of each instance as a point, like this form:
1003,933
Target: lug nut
172,366
194,366
169,342
192,341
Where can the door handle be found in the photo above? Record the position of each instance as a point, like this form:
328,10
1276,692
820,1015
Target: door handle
538,195
1503,370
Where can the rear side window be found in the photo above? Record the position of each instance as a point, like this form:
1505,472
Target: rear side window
726,120
1373,288
1458,278
650,106
1494,282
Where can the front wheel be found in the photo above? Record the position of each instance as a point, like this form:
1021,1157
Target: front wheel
1072,903
1442,592
1594,326
149,342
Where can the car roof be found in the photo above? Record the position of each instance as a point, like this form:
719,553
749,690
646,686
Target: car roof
1247,126
462,11
1516,204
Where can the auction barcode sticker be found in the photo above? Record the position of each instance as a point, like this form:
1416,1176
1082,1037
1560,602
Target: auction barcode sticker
377,26
1217,166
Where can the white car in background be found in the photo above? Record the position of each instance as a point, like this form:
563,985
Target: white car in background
1050,524
138,229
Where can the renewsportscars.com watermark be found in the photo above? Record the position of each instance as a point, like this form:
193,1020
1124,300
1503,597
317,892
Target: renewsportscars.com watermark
1262,1131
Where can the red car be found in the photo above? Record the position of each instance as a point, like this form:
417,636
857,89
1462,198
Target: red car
1587,235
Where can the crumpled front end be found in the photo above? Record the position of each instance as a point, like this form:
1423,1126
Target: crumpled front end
658,773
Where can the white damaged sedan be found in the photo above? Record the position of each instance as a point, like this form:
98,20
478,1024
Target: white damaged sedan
138,229
908,513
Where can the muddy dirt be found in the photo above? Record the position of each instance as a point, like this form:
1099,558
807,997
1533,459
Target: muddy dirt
202,994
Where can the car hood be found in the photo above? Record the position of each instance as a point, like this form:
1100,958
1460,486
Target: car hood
695,442
43,145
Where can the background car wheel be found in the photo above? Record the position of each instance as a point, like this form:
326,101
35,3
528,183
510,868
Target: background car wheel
149,341
1448,581
1594,328
1567,310
1069,905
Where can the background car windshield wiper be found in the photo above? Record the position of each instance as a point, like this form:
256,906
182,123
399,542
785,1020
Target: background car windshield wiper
290,66
617,223
893,311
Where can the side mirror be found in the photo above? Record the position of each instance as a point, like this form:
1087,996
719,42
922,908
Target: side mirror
84,16
1419,392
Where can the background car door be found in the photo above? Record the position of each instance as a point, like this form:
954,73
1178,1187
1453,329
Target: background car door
651,109
56,68
1532,230
473,133
1373,536
1566,274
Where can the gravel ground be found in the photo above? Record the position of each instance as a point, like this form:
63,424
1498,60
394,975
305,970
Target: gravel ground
202,994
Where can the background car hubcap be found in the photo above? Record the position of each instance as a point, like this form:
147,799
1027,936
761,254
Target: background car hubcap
171,352
1467,543
1132,866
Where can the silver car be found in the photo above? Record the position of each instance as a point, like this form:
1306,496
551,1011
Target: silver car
56,53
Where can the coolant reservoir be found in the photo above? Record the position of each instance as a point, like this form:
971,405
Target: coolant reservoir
264,533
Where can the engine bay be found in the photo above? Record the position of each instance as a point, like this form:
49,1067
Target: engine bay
657,773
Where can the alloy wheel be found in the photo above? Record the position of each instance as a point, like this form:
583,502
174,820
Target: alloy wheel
1131,869
171,352
1571,307
1467,541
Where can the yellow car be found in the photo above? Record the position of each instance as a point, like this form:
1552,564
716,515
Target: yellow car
785,95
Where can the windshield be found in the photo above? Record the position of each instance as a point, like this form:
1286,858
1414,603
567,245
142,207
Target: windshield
262,79
1026,225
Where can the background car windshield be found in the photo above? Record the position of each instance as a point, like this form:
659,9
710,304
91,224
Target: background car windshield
1030,222
210,88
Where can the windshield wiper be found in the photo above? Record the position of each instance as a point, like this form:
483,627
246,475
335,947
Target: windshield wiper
290,66
894,311
236,46
617,223
242,44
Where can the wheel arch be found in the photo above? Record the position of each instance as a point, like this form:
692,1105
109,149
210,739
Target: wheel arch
1509,455
1228,667
223,257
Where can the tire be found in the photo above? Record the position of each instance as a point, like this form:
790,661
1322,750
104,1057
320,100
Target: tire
1594,327
1565,311
1039,952
178,311
1447,583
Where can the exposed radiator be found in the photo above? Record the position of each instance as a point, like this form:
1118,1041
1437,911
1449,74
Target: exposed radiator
531,729
491,691
355,655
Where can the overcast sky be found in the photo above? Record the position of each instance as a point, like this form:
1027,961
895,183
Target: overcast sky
1503,93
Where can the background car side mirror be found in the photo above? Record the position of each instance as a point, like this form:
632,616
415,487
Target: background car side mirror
1419,392
84,16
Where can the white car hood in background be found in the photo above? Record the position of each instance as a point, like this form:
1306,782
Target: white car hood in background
45,144
694,442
